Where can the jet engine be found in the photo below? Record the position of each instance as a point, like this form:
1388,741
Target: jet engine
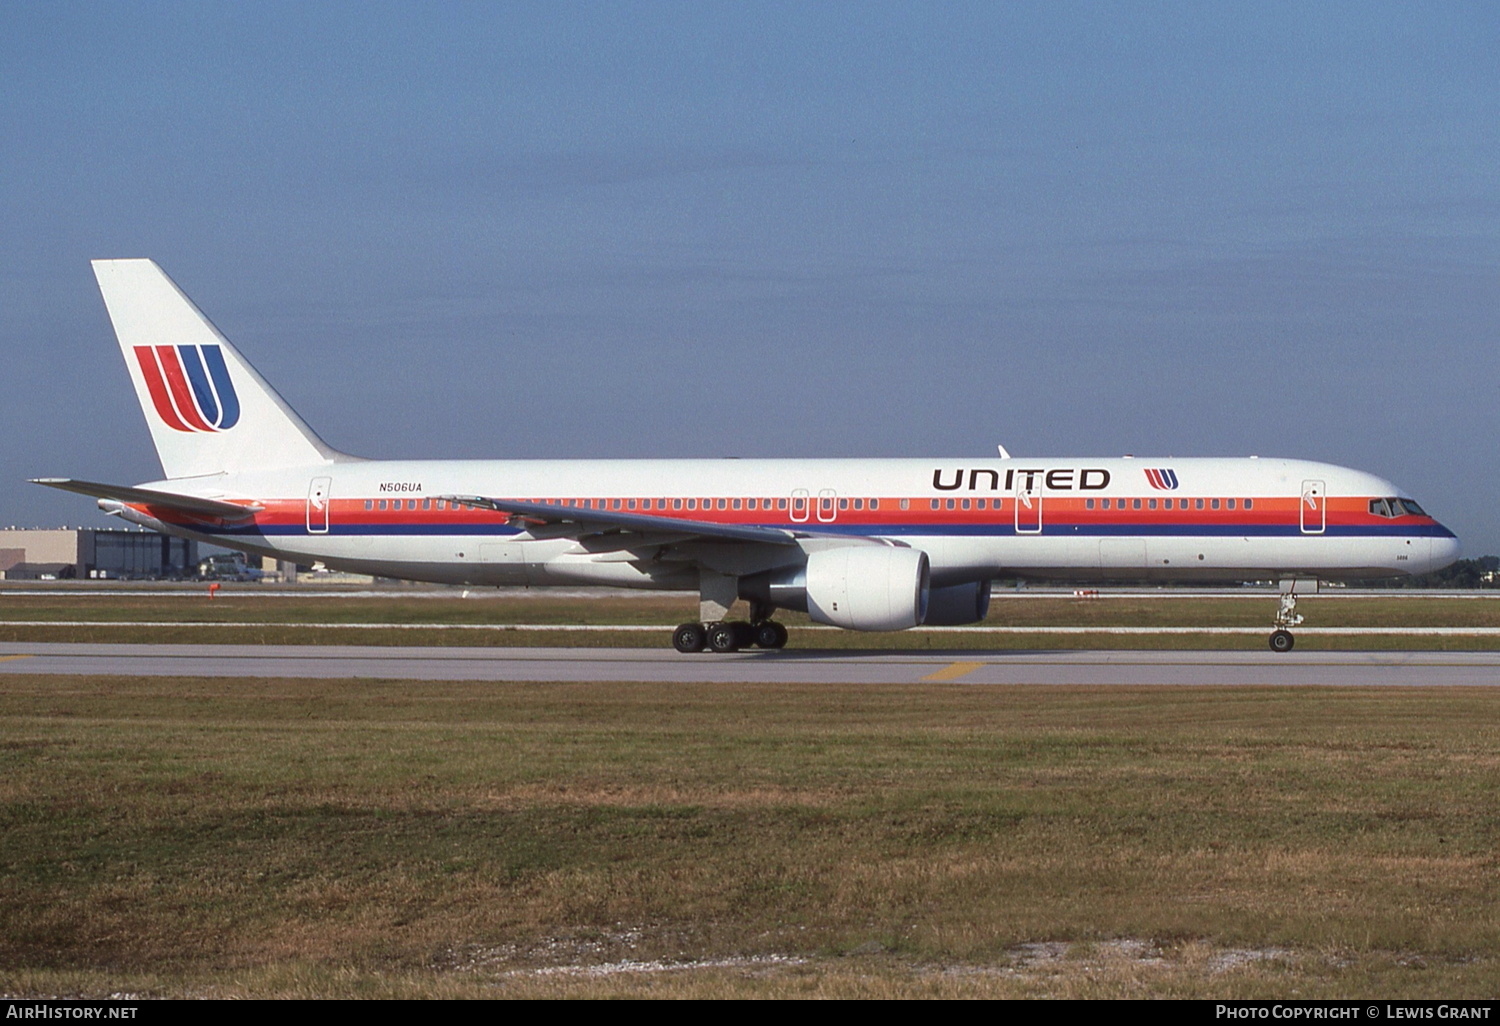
859,587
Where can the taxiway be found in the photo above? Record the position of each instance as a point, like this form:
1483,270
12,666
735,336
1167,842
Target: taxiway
451,663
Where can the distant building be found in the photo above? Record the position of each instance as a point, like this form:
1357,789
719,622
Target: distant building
93,553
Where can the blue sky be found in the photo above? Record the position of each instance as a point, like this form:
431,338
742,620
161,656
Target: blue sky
831,229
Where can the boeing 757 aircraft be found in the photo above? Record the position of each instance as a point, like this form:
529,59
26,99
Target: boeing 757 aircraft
865,544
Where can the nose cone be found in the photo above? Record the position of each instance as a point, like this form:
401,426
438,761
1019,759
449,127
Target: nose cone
1444,549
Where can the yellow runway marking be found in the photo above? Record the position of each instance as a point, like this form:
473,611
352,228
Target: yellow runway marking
954,672
7,658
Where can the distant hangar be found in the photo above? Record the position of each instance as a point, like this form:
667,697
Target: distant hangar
85,552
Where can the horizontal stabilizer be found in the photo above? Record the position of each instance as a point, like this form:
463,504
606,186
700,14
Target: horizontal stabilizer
185,503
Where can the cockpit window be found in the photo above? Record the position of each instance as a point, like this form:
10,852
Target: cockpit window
1393,507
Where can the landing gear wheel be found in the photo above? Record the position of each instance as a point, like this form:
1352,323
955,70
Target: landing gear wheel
1282,641
690,637
723,637
744,634
769,634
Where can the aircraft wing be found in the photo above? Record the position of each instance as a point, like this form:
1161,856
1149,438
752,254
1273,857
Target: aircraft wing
600,521
166,500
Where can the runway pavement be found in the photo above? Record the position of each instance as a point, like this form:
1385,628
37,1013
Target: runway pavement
790,666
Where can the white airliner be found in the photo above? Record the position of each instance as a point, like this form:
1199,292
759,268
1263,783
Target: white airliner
864,544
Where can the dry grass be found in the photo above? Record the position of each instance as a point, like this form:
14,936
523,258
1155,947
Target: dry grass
299,838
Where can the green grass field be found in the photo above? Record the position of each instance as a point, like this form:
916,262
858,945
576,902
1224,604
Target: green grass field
310,838
246,615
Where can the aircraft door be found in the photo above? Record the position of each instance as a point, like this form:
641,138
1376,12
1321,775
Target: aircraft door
317,505
1028,503
1314,506
828,509
800,505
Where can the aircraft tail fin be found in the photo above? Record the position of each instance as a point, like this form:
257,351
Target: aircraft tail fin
208,410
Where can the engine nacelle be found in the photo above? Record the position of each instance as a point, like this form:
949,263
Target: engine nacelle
958,604
859,587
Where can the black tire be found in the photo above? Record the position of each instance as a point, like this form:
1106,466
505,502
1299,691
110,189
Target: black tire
744,634
690,637
1282,642
723,637
769,634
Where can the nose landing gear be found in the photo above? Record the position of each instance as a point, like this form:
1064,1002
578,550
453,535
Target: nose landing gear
1287,616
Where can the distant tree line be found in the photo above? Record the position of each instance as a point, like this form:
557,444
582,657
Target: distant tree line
1466,573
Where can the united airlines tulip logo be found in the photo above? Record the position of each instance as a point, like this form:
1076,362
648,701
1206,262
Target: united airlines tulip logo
190,387
1162,478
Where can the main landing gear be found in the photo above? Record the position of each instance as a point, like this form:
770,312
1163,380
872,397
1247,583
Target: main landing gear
729,636
1287,616
716,594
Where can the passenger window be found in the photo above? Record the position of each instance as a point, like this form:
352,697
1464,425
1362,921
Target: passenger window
1213,503
1088,503
1249,503
906,504
1135,503
1229,504
381,504
1197,503
966,504
874,503
369,504
736,504
981,503
426,503
749,503
1150,503
723,503
950,503
934,504
676,503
